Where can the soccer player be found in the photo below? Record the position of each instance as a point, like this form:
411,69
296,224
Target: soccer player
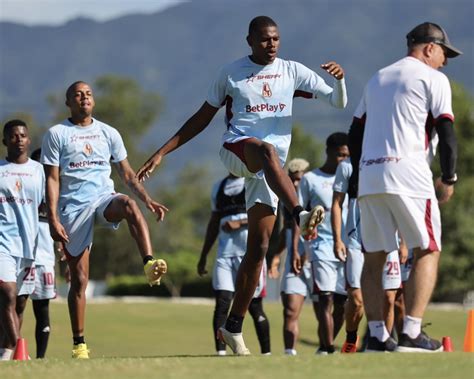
348,249
328,272
228,224
297,282
77,155
21,193
401,105
258,92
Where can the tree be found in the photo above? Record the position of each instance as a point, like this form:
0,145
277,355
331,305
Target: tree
304,145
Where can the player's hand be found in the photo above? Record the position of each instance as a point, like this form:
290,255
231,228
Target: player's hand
58,233
403,254
201,267
145,171
340,251
333,69
158,209
296,263
443,191
230,226
273,272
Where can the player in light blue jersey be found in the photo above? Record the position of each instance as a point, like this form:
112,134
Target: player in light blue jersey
296,282
77,155
229,224
328,272
258,92
21,193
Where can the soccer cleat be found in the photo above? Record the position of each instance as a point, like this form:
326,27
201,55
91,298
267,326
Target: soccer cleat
80,351
234,340
154,270
321,351
374,345
309,221
6,354
421,344
349,347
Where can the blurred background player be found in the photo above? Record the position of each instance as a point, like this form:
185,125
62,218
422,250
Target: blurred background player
77,154
258,91
21,193
294,287
229,224
328,272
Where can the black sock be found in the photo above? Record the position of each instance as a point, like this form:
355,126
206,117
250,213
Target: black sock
41,311
330,349
234,323
147,258
296,213
78,340
351,337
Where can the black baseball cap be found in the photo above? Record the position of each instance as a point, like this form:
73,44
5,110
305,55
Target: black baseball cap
429,32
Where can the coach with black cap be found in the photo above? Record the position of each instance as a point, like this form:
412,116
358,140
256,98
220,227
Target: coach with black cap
404,113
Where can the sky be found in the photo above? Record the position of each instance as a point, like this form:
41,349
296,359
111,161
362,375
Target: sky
57,12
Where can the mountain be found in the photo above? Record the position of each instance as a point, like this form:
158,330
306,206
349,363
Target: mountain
178,51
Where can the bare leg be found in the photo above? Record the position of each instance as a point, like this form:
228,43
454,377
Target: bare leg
123,207
354,309
8,316
339,302
399,310
372,289
325,319
20,308
389,309
292,305
79,268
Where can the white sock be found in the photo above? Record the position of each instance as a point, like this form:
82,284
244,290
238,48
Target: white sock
221,352
290,352
411,326
378,330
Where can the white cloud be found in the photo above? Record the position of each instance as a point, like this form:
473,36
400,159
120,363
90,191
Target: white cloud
56,12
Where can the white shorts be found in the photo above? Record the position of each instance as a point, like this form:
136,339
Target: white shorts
257,189
18,270
45,287
225,274
391,277
80,225
302,284
329,276
417,220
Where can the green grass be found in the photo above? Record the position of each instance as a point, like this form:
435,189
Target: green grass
171,340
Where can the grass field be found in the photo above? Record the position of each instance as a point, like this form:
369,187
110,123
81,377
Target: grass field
163,339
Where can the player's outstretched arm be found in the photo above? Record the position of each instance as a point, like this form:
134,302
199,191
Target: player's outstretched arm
58,233
336,222
129,178
337,95
191,128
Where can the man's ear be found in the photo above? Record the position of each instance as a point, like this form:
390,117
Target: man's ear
249,40
4,142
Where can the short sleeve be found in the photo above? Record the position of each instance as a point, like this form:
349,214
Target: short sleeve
117,148
217,91
308,81
303,192
361,109
50,148
343,174
441,102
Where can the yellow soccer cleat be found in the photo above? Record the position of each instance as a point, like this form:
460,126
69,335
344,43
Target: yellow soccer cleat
154,270
80,351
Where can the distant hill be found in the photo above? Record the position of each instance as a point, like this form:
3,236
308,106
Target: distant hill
178,51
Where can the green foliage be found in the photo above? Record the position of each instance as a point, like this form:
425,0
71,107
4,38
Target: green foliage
306,146
456,275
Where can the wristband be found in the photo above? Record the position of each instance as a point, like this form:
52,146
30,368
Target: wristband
450,181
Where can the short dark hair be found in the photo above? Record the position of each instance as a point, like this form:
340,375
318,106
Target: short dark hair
36,155
260,22
337,139
11,124
72,86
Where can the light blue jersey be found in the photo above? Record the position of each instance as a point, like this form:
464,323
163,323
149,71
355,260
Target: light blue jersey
231,244
316,189
45,246
341,184
21,193
83,155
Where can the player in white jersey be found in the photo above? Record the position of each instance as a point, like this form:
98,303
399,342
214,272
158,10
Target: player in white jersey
228,224
328,272
294,287
77,155
21,193
400,105
258,92
348,249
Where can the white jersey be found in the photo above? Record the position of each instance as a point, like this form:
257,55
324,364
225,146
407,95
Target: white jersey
400,105
314,189
259,99
234,243
21,193
83,155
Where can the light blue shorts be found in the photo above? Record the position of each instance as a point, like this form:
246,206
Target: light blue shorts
302,284
18,270
225,274
45,287
329,276
80,225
